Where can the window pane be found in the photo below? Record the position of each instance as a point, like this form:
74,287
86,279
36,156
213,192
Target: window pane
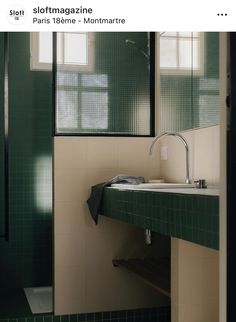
94,80
94,110
67,79
185,53
168,53
196,54
45,47
185,34
75,48
113,96
67,111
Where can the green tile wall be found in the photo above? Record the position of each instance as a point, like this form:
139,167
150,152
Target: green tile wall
26,260
160,314
190,217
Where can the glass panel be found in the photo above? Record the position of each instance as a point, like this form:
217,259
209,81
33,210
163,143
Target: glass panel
67,79
189,95
94,110
67,112
94,80
206,100
45,47
111,96
175,87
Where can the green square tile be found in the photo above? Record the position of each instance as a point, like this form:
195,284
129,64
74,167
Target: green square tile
39,319
190,220
65,318
56,318
48,318
184,232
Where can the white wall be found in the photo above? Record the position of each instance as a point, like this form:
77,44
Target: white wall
85,280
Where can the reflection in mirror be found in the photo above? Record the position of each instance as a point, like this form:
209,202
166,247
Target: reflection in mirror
189,80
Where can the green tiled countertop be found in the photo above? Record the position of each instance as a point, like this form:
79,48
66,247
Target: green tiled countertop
190,217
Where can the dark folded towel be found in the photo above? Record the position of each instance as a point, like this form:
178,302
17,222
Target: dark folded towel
95,199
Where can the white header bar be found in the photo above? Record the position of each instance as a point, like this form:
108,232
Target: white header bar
122,15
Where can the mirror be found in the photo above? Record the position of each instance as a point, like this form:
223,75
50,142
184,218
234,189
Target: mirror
189,80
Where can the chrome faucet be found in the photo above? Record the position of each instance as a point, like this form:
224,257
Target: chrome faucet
182,139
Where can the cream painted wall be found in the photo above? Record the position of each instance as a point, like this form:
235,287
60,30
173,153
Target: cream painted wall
85,280
195,282
195,269
204,153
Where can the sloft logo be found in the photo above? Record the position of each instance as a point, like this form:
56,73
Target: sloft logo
16,15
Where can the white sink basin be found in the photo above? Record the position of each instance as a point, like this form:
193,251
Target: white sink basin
153,185
168,187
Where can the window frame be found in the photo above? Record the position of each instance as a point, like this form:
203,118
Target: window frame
101,133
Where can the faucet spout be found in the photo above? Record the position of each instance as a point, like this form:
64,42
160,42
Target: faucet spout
182,139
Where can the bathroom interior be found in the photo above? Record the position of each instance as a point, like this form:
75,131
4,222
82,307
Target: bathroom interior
78,109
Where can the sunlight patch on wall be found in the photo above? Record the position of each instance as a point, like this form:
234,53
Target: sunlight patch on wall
43,183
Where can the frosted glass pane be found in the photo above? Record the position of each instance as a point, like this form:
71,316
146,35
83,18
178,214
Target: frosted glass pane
94,110
112,97
208,84
67,111
94,80
189,96
67,79
206,91
207,114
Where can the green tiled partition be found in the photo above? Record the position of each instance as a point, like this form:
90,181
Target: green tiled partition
190,217
160,314
26,260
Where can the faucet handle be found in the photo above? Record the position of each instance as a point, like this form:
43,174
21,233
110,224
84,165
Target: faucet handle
200,184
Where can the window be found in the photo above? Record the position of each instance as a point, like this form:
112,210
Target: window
92,97
181,53
74,50
103,84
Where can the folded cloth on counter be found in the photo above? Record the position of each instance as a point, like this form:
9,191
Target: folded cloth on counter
95,199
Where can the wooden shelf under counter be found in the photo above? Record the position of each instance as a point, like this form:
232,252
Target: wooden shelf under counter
153,271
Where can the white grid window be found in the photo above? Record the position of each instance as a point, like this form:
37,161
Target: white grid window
181,53
74,51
